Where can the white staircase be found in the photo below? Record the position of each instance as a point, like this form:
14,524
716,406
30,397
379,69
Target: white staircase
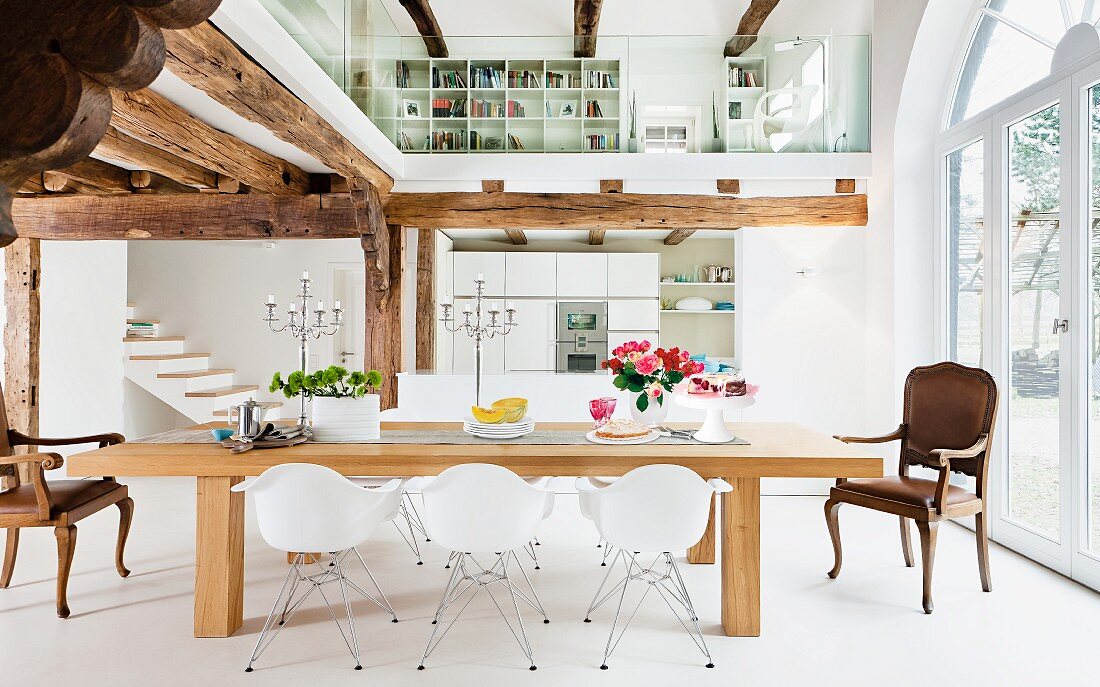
184,380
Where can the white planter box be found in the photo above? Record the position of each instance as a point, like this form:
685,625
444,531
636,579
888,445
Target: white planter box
346,420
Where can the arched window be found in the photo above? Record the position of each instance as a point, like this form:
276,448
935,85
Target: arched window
1010,49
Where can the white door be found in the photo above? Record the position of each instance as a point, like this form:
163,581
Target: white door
582,275
466,267
530,347
349,344
492,350
531,274
633,275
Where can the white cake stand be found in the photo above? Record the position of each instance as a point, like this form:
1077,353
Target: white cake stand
714,430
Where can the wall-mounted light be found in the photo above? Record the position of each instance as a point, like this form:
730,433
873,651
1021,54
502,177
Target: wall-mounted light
809,272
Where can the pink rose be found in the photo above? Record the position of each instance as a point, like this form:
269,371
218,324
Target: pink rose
684,356
647,364
697,368
619,352
654,390
644,346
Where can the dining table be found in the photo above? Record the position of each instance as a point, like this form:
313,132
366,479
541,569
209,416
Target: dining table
762,449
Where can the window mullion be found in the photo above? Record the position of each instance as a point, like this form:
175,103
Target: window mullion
1019,27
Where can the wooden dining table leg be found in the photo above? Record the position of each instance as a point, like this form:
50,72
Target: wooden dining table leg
219,557
741,558
703,552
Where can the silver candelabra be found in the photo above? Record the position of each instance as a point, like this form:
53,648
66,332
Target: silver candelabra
304,327
477,330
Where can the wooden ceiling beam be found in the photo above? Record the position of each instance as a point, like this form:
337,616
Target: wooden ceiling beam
730,186
620,211
749,27
96,176
159,122
596,236
426,24
516,236
677,236
205,58
586,22
115,146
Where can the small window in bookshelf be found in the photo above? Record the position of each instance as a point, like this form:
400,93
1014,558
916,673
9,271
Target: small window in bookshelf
670,129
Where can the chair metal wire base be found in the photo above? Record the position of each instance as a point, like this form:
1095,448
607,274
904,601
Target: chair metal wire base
662,574
468,578
297,578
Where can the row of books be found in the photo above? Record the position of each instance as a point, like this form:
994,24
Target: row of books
596,79
555,80
514,142
523,79
446,140
592,108
603,141
403,141
141,329
741,78
447,79
485,77
442,107
479,142
484,108
402,74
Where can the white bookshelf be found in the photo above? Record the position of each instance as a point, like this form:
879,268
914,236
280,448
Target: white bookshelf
538,131
738,130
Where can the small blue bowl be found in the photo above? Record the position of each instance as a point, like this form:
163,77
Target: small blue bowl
221,434
711,365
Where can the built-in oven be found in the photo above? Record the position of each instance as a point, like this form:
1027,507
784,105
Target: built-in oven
582,336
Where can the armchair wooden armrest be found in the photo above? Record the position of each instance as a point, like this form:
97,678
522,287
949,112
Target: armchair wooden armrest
108,439
898,433
41,461
942,457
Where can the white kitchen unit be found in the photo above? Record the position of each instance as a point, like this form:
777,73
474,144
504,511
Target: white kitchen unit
634,314
466,267
492,350
582,275
633,275
531,274
616,339
530,347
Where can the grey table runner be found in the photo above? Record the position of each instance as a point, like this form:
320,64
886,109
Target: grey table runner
434,436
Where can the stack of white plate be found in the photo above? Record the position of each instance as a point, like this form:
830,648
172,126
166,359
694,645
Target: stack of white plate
502,430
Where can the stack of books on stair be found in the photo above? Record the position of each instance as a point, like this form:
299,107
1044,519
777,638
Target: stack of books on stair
141,329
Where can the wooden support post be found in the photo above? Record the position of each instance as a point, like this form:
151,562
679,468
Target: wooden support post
425,300
22,275
219,557
731,186
611,185
596,236
677,236
492,186
845,185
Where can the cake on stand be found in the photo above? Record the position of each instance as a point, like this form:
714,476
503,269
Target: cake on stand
714,430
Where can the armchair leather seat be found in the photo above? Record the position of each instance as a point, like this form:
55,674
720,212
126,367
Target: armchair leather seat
911,491
65,495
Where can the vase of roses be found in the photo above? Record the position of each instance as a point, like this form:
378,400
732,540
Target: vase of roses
649,376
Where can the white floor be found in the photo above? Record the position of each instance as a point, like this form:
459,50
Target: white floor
866,628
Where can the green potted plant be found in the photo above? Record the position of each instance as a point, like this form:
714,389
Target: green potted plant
632,142
345,404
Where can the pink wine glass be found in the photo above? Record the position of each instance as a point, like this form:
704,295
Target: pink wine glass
598,408
610,402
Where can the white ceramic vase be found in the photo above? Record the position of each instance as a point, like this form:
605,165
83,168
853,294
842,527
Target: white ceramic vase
346,420
651,416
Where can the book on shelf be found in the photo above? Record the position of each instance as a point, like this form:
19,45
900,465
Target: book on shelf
485,77
556,80
444,108
447,79
402,74
523,79
603,141
485,108
141,329
515,109
448,140
598,79
592,109
742,78
403,141
514,142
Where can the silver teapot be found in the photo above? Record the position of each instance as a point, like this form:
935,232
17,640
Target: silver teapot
714,273
249,418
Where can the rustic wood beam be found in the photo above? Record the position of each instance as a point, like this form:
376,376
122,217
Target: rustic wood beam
596,236
59,62
516,236
730,186
677,236
845,185
749,27
206,59
611,185
426,24
425,300
620,211
90,176
155,120
144,181
22,277
116,146
194,216
383,308
586,21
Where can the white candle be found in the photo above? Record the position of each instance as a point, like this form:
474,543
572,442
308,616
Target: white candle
468,308
271,298
320,306
480,276
305,274
337,306
510,305
494,307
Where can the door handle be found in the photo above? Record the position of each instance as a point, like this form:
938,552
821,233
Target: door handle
344,355
1060,326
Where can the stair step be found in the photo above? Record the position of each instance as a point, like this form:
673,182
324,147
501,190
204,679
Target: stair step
266,404
137,339
146,320
170,356
189,374
219,391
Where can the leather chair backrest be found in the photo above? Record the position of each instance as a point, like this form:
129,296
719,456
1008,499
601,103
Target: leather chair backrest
947,406
5,444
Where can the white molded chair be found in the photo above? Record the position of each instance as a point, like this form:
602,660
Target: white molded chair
406,512
306,507
796,122
652,509
479,509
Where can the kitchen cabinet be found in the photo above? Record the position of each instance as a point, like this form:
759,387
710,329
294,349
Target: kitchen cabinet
531,274
634,315
633,275
492,350
530,346
466,266
582,275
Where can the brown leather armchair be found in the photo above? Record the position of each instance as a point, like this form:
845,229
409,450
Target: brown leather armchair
56,503
947,425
